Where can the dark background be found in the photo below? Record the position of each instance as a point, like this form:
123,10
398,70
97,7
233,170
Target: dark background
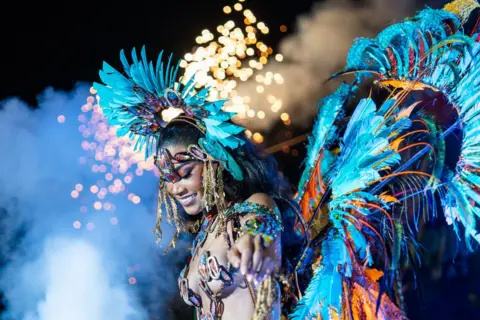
46,43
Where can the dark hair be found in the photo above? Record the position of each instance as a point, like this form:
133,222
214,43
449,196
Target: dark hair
260,175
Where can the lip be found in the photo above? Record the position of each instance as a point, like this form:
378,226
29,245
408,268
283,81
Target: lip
188,200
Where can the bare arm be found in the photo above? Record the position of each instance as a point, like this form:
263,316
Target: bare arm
258,253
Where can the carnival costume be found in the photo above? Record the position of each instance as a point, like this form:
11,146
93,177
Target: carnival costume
369,177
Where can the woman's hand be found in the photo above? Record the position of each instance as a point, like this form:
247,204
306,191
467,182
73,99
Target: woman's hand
253,258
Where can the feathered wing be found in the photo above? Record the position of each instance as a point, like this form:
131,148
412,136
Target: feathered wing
414,155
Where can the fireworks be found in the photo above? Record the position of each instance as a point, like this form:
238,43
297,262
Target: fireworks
232,54
110,156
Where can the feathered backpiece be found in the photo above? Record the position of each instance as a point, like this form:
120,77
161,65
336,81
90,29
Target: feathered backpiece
135,102
370,177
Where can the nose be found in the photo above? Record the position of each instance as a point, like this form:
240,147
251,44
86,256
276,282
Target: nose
177,189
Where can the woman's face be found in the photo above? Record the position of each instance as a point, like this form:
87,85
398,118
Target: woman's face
189,190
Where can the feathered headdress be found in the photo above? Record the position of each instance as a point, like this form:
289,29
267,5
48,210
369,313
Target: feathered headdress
135,101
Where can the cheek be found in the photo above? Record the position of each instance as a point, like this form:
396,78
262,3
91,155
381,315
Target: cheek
195,182
168,187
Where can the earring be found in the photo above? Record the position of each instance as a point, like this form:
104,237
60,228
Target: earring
213,191
220,200
219,192
171,210
208,176
157,230
172,213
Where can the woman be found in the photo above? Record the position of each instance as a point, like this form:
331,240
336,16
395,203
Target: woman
218,243
233,197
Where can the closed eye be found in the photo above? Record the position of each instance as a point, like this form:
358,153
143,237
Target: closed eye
185,172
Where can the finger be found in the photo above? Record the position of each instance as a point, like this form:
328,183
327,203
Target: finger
257,258
257,255
246,255
234,257
267,268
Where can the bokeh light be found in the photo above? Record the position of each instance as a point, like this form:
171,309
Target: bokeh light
232,54
114,220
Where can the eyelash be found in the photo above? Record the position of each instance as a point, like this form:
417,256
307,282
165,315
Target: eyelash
187,174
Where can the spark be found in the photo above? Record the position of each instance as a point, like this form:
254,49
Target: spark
233,53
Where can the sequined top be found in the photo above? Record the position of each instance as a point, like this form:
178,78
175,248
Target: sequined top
265,220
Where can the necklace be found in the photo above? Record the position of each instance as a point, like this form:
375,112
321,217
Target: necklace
208,225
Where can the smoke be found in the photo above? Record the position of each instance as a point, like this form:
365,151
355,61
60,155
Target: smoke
74,268
318,49
60,262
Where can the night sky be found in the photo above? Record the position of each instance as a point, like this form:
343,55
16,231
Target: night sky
46,43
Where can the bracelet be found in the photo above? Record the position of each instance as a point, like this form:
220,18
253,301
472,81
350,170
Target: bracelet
262,225
265,222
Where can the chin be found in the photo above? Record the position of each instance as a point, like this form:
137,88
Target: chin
193,210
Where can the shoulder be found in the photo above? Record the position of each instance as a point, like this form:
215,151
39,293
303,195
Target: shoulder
263,209
263,199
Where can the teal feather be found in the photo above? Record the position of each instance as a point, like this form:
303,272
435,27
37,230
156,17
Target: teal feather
324,294
324,133
173,77
126,65
188,88
168,72
360,243
218,152
220,130
145,72
159,73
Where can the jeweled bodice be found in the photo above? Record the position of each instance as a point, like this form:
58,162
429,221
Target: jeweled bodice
208,278
207,274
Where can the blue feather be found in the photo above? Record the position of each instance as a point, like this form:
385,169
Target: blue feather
324,294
